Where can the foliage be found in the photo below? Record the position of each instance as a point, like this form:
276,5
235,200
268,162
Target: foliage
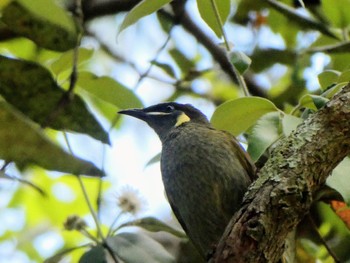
60,79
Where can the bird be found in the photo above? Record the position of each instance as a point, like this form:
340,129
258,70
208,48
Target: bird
205,171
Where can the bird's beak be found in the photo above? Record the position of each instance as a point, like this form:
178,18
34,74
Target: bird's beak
137,113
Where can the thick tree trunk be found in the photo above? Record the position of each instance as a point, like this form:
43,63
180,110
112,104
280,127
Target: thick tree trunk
280,198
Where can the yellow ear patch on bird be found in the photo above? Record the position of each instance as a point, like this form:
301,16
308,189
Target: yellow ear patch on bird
182,118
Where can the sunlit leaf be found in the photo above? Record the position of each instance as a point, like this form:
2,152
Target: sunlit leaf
144,8
214,13
303,21
339,179
31,89
337,12
154,225
290,123
42,21
136,248
109,90
264,133
312,102
328,78
236,116
65,62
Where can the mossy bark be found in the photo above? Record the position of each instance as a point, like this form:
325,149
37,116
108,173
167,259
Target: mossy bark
282,196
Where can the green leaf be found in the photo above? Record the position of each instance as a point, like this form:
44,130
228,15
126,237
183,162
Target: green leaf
240,60
236,116
154,159
57,257
264,133
94,255
181,60
290,123
343,47
337,12
109,90
333,90
339,179
65,62
21,141
302,21
31,89
214,13
344,76
312,102
265,58
154,225
144,8
165,67
136,248
42,21
328,78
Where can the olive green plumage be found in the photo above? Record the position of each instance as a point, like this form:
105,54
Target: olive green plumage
205,171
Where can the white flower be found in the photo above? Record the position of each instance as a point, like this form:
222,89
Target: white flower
129,200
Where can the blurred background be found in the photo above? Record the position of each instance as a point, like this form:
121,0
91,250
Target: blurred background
287,51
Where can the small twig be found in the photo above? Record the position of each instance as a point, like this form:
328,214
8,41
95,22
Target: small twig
323,241
145,74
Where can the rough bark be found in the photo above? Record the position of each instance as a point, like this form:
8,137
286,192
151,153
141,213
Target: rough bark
282,195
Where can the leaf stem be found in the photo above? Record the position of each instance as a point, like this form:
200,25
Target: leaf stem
218,18
86,197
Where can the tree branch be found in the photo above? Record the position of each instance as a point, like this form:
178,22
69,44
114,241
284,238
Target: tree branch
282,195
93,10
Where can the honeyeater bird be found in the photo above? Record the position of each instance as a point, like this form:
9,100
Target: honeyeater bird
205,171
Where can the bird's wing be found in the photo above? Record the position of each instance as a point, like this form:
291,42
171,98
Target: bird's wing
177,214
243,156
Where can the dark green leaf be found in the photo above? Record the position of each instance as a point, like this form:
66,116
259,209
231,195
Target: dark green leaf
144,8
265,58
181,60
31,89
94,255
136,248
21,141
264,133
154,225
154,159
43,22
236,116
58,257
214,17
343,47
240,60
165,67
109,90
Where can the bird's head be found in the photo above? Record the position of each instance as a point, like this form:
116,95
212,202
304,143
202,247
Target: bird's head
166,116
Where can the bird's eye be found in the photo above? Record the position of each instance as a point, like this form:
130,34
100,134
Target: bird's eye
170,108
